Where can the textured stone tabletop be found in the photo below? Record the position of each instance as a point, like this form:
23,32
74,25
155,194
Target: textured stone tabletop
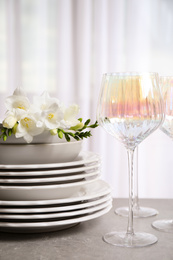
84,241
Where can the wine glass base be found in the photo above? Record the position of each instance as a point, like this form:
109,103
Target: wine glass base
140,212
123,239
165,225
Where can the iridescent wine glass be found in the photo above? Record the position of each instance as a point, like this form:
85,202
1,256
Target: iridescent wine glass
130,108
166,84
138,211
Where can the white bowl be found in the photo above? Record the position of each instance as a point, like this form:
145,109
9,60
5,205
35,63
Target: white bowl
45,148
39,153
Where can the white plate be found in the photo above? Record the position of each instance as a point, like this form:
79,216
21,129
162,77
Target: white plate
83,158
43,172
74,213
50,180
43,192
56,208
48,226
87,191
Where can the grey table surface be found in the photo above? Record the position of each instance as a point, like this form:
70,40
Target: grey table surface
84,241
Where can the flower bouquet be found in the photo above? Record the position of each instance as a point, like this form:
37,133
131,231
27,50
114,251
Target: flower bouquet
44,121
27,120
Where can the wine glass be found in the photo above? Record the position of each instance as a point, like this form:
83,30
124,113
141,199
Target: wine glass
166,84
138,211
130,108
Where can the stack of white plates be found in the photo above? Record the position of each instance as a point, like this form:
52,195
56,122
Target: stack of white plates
53,196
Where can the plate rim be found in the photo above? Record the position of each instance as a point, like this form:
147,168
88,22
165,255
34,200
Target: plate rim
51,179
43,172
60,208
41,187
103,188
48,224
75,162
66,214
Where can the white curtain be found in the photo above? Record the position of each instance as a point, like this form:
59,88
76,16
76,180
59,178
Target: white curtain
64,46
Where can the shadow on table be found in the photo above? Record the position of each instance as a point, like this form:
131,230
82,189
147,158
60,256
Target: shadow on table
70,231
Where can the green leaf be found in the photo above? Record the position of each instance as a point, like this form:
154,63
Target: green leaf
67,137
76,138
60,133
71,134
87,122
94,125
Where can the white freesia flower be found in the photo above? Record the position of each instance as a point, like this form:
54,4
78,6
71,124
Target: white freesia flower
51,110
44,102
17,100
29,126
52,117
70,114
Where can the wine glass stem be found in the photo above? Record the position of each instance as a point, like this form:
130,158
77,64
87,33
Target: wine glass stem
130,153
136,199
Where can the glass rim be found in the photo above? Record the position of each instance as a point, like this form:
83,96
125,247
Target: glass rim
131,73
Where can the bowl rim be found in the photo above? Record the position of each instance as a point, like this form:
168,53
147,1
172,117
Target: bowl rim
43,144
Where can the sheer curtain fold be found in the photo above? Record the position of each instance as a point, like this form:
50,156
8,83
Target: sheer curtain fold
138,20
65,76
64,47
13,45
82,35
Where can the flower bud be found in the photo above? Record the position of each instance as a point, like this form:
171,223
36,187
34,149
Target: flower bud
4,138
14,129
9,122
77,127
53,131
